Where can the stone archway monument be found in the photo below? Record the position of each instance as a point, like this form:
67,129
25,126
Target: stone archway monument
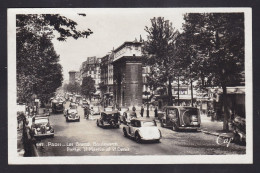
128,84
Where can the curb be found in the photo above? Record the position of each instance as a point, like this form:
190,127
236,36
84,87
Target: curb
214,133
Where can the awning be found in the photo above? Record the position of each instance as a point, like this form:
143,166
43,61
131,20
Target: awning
230,90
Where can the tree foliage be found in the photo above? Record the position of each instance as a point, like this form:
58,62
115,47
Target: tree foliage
73,87
159,51
41,24
38,69
213,43
88,87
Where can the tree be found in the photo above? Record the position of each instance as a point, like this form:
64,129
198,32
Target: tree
88,87
159,52
219,40
74,88
38,70
46,24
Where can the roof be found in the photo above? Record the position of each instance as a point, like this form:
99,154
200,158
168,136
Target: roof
110,112
143,119
125,43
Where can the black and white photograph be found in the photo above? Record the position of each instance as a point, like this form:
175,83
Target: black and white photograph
130,85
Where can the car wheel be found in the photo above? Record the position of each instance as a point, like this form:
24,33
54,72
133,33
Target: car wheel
137,138
158,140
79,120
125,133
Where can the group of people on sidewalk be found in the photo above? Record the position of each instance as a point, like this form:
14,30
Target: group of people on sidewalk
147,114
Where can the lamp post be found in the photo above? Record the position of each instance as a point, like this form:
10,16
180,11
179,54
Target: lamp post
147,109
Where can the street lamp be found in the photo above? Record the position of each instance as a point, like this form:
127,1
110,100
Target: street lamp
147,109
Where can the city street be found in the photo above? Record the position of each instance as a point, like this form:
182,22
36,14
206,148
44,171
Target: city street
85,138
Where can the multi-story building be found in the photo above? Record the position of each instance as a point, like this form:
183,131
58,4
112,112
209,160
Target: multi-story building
91,67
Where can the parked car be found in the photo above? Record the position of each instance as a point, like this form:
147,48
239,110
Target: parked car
142,130
71,115
180,117
41,126
109,118
127,116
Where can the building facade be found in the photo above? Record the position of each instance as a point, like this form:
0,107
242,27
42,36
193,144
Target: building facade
127,78
91,67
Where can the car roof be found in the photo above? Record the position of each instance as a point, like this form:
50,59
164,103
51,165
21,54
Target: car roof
142,119
41,117
110,112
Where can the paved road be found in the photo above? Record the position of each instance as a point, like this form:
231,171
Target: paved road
98,141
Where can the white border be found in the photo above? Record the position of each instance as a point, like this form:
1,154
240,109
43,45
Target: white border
13,157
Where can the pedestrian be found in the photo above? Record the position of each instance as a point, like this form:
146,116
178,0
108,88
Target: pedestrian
142,111
133,108
155,112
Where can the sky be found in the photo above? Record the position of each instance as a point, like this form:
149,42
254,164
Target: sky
111,28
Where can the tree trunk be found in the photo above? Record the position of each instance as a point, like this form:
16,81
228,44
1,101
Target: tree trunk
225,122
191,93
178,91
170,92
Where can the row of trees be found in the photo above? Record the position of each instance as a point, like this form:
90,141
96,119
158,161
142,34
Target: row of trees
210,48
39,73
87,88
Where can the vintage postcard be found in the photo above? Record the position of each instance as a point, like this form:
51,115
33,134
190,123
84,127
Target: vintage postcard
130,86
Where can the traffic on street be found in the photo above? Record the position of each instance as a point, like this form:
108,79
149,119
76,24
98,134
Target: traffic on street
86,138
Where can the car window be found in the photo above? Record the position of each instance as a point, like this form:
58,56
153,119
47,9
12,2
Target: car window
133,123
137,124
148,124
72,111
172,113
41,121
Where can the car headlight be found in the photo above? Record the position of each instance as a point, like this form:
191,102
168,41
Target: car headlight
38,129
47,128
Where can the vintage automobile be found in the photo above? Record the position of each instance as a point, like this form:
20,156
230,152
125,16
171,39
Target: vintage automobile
142,130
73,106
71,115
57,106
41,126
109,108
127,116
109,118
84,104
180,117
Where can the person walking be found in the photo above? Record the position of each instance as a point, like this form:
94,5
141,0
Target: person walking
156,112
142,111
133,108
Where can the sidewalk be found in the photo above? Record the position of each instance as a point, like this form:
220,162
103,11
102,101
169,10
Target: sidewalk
213,127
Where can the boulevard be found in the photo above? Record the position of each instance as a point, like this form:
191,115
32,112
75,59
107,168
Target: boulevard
85,138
